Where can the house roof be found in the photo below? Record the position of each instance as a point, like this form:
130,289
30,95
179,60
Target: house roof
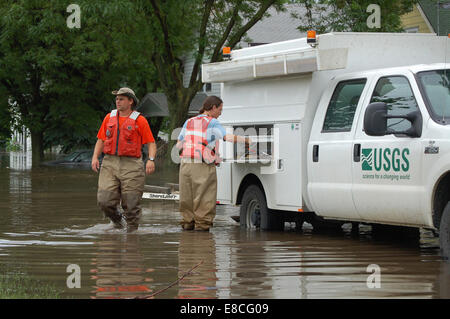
197,102
430,9
280,26
155,105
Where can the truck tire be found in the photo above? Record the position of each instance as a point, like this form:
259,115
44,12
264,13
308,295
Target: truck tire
444,233
254,213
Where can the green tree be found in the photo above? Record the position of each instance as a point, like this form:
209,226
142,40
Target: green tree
60,79
351,15
209,25
200,29
5,118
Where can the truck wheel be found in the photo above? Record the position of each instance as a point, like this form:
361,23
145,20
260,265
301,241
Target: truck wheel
444,232
254,213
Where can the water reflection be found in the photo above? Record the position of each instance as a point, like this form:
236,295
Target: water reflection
196,247
20,199
443,281
118,269
20,160
307,265
50,219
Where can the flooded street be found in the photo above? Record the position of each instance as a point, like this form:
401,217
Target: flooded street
49,220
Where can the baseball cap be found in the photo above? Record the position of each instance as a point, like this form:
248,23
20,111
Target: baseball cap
127,92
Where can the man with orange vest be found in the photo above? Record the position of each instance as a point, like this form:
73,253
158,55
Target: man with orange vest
122,176
198,142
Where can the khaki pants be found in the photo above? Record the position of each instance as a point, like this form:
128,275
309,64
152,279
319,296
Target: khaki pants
198,192
122,180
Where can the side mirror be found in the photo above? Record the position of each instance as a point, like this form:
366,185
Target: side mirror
375,121
416,124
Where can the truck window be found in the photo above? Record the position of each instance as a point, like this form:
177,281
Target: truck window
396,92
435,87
342,107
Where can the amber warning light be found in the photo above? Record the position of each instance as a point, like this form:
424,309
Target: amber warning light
311,37
226,52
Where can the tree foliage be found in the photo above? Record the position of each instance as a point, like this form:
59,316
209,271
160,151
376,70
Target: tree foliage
351,15
60,79
208,26
5,118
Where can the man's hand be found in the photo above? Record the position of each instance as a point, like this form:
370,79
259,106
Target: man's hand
149,167
95,164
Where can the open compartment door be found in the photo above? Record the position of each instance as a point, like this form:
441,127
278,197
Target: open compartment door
223,172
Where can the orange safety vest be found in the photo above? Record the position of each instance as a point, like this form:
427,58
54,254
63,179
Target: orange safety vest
123,141
195,144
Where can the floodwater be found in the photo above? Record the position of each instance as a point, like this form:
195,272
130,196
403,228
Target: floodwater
49,220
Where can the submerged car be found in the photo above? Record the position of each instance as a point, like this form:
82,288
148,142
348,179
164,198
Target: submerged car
77,158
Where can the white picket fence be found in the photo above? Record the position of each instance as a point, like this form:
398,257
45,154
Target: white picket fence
23,138
21,160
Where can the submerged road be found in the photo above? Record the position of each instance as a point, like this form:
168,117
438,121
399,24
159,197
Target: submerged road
49,220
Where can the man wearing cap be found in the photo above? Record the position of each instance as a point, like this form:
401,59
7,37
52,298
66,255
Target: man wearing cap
122,177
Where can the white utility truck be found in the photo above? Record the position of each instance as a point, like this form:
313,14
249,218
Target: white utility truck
345,127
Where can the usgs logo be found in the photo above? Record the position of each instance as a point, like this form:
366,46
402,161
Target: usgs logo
385,159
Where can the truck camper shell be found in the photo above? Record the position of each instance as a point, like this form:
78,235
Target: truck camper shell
284,90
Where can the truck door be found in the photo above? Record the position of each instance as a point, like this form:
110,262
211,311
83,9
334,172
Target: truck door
330,150
387,179
223,172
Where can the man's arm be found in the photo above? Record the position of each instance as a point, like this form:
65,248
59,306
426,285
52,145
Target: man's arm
150,165
179,144
236,139
97,151
218,130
